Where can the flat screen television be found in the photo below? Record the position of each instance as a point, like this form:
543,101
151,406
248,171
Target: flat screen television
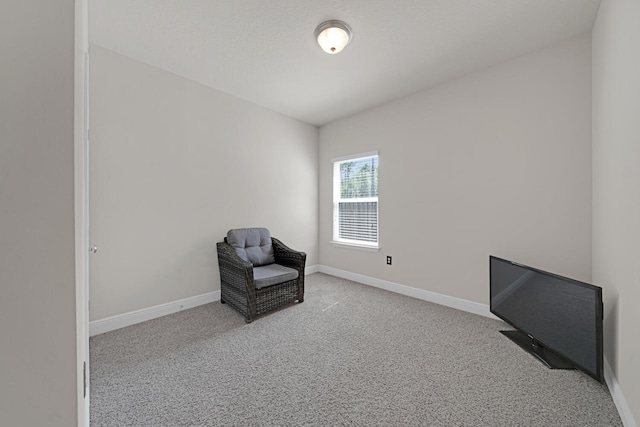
558,320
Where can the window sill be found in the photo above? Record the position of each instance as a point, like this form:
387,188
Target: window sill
356,246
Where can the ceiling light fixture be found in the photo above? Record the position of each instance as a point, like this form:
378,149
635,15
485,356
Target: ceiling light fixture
333,36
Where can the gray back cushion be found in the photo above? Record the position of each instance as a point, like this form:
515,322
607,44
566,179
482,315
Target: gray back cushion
252,244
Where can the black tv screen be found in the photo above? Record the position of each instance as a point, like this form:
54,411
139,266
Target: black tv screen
558,320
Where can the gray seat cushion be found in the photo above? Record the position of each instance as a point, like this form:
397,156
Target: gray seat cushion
273,274
252,244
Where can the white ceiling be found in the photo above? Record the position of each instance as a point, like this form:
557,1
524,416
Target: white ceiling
263,51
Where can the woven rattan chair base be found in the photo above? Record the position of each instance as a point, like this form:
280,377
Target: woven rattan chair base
267,299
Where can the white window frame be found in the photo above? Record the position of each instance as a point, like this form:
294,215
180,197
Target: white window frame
348,243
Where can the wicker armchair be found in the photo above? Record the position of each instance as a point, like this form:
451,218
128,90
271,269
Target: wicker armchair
259,273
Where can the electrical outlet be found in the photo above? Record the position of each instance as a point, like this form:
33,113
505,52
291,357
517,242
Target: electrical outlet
388,260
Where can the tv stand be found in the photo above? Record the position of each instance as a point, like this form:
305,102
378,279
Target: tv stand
544,355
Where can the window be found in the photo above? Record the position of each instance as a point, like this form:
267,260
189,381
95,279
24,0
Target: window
355,200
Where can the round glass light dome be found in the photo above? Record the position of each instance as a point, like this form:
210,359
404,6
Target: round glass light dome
333,36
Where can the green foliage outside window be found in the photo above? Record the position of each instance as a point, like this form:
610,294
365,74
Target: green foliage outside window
359,178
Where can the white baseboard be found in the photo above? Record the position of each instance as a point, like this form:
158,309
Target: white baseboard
127,319
453,302
310,269
618,398
112,323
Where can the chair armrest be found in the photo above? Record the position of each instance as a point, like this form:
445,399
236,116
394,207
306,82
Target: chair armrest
232,267
288,257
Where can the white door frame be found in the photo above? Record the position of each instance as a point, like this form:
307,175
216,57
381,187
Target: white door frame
81,196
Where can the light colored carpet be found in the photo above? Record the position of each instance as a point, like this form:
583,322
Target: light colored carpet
349,355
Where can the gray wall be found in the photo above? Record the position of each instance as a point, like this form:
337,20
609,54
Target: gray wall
616,184
497,162
37,267
174,165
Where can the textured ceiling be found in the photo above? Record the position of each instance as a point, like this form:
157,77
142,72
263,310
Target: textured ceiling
264,52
